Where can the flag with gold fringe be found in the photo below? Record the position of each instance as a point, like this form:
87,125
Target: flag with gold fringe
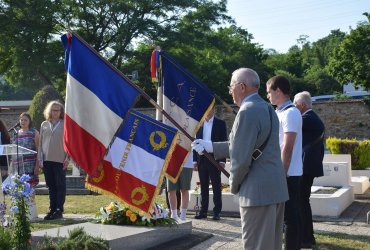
93,87
134,166
188,101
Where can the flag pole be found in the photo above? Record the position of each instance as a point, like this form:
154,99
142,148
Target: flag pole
154,103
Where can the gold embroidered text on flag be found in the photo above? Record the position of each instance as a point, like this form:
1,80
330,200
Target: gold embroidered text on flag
134,167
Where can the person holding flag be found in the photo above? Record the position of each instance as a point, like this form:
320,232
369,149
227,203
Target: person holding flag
213,129
256,172
188,101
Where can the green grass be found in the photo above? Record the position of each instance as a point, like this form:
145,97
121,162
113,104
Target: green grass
75,204
339,241
81,204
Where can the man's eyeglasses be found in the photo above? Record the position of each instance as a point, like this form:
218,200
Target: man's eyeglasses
232,86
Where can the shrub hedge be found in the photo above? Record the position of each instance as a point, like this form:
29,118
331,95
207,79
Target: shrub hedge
40,100
359,150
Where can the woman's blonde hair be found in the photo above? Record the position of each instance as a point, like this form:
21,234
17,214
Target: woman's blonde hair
47,111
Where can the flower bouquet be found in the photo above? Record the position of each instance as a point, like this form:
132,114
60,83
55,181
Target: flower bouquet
116,213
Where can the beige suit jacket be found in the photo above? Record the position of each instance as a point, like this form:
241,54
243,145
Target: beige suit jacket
263,181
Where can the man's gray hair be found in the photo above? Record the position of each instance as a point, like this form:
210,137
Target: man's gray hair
305,97
247,76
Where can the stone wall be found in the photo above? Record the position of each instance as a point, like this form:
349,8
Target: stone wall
343,119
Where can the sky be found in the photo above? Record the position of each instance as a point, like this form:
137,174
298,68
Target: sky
277,24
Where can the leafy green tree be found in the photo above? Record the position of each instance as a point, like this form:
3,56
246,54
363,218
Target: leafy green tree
351,60
322,50
187,42
290,62
297,84
29,56
319,82
275,60
209,52
40,100
30,50
212,53
112,26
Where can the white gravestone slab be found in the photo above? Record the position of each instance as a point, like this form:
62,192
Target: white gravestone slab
335,174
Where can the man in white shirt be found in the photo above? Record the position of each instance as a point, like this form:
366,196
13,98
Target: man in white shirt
290,139
214,130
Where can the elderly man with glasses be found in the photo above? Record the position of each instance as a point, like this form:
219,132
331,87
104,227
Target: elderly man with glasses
256,173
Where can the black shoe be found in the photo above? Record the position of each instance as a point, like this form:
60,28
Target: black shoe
48,215
216,217
56,215
200,216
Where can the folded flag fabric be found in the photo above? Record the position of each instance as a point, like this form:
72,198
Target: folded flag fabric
97,100
154,64
134,167
187,101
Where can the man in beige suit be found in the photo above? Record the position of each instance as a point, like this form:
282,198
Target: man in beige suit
258,178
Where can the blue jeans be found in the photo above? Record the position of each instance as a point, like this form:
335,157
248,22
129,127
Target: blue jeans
55,177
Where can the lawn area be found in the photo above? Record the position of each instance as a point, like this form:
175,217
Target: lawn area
81,204
75,204
337,241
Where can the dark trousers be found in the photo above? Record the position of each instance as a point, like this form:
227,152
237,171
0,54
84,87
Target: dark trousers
209,172
292,219
306,213
55,178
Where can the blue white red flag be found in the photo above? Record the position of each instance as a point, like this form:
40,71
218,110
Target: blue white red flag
134,167
187,101
97,100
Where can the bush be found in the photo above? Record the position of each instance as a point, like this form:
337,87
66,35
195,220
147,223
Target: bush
40,100
359,150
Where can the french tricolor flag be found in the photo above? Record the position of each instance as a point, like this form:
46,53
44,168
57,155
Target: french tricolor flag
187,101
134,166
97,99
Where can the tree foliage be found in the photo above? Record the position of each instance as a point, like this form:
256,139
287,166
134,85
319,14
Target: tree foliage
29,57
307,62
210,54
197,33
351,60
40,100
